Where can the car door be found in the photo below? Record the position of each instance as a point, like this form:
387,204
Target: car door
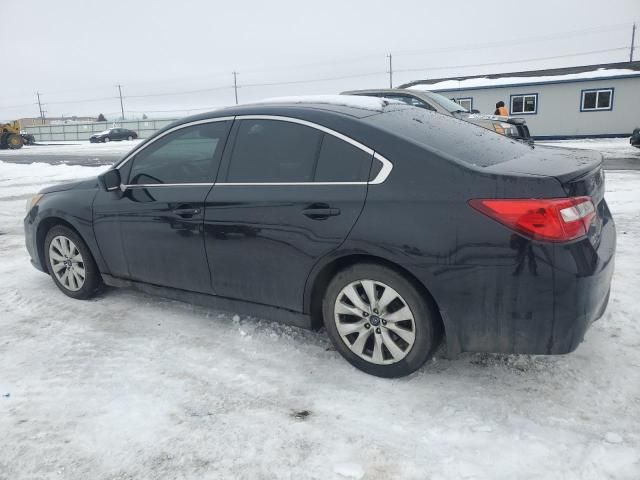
152,232
287,194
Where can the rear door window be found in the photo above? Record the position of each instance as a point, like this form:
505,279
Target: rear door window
189,155
273,151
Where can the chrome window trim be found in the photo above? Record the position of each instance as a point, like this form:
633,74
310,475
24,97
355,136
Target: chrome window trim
171,130
382,175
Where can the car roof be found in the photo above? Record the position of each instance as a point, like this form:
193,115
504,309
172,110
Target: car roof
349,106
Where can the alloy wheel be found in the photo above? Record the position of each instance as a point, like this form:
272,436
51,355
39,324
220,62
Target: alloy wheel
375,322
67,263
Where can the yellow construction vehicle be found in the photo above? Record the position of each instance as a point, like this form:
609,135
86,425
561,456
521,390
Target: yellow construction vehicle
10,136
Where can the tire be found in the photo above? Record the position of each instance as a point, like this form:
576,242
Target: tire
106,139
14,141
418,321
70,256
129,138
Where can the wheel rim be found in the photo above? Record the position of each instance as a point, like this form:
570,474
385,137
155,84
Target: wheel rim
107,139
129,138
374,322
67,263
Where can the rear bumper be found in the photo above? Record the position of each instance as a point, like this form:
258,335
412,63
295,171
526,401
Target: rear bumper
541,300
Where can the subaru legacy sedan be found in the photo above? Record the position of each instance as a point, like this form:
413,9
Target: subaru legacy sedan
395,228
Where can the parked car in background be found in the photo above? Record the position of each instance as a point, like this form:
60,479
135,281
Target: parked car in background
511,127
114,134
369,217
635,138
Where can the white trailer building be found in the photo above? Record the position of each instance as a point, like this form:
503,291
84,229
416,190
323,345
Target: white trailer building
574,102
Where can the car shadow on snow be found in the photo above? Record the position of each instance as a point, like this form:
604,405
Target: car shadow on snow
269,332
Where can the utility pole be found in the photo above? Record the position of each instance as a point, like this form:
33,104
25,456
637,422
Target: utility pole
235,85
633,39
40,108
390,71
121,104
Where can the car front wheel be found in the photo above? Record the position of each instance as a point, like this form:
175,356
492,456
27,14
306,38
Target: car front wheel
70,263
129,138
379,321
106,139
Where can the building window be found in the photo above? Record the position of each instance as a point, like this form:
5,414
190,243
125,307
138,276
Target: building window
466,102
526,103
593,100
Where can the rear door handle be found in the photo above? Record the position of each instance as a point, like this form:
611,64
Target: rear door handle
186,212
320,213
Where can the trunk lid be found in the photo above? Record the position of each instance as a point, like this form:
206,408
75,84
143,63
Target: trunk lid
565,164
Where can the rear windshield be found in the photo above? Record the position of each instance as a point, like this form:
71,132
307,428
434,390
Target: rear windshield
466,142
444,102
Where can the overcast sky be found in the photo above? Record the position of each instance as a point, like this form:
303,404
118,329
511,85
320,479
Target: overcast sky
79,50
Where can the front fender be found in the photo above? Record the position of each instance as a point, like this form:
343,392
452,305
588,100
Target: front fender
71,207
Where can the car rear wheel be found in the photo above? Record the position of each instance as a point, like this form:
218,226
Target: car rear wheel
379,321
70,263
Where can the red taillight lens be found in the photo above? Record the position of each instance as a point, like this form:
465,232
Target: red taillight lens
551,219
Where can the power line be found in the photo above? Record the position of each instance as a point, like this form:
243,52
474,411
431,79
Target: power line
367,74
466,47
19,106
86,100
539,38
313,80
184,92
513,61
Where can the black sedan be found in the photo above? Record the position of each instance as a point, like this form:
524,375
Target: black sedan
114,134
394,227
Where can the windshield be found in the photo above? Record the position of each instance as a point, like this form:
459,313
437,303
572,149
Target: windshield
105,132
445,103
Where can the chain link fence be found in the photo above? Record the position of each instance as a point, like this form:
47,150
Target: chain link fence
82,131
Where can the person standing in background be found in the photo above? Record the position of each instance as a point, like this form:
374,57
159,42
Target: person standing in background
501,109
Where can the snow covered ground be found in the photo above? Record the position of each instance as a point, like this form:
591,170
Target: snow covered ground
132,386
72,153
609,147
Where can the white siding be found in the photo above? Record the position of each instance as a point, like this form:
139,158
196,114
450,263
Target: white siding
558,112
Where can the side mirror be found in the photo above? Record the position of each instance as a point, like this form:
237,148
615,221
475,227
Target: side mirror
110,180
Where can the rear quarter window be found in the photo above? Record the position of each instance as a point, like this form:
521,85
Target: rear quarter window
467,143
340,161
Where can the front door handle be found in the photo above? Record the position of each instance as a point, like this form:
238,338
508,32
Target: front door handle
320,212
186,212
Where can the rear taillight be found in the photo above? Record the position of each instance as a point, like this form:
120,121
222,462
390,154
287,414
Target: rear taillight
550,219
